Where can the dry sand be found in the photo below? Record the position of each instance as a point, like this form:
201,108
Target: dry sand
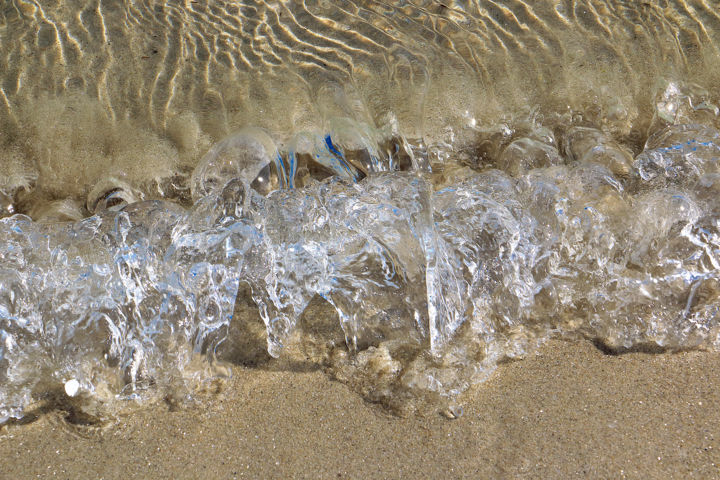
568,412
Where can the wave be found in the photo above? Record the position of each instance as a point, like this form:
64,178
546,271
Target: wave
437,264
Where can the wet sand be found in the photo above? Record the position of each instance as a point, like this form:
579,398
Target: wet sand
568,412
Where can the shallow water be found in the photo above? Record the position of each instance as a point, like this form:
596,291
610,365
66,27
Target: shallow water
406,193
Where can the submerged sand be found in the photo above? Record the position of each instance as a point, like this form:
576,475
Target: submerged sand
568,412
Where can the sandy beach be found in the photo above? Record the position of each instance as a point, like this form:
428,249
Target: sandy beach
568,412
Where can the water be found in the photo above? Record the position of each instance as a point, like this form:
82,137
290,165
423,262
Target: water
407,194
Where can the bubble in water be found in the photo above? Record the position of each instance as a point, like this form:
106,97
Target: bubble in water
524,154
681,103
583,144
111,193
7,206
678,155
57,211
250,155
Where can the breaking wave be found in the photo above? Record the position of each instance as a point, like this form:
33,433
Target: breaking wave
437,268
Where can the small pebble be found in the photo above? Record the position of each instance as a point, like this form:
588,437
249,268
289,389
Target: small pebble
72,387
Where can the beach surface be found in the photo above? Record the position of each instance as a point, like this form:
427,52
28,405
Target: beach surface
570,411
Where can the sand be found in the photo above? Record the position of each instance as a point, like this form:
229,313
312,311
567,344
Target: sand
568,412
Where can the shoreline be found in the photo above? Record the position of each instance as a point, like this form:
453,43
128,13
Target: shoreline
568,411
